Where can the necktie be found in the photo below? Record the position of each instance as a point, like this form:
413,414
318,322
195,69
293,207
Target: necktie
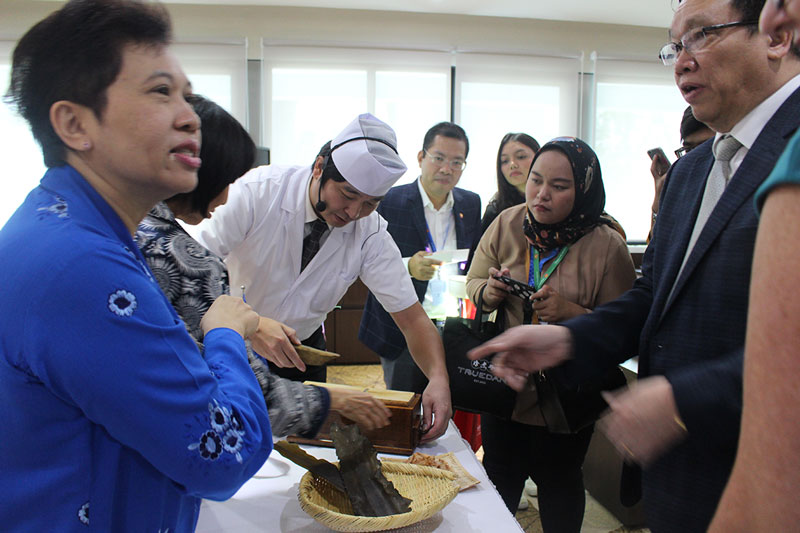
718,179
715,186
311,242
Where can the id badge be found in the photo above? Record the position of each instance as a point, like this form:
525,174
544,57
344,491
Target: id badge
437,288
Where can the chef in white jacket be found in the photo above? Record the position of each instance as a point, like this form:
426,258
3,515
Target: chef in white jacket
266,233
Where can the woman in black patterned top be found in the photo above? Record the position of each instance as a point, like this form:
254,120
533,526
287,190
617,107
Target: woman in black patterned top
192,277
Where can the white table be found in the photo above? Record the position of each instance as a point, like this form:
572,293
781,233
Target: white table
268,502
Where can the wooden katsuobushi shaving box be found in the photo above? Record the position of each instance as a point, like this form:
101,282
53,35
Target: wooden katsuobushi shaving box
402,434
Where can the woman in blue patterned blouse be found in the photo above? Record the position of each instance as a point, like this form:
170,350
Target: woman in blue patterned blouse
112,419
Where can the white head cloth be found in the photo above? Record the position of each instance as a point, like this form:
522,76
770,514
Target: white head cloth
370,166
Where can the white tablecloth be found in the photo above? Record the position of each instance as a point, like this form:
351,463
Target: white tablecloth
268,502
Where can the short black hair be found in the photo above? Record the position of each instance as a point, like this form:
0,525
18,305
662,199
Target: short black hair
689,124
75,54
508,195
227,152
329,170
751,10
446,129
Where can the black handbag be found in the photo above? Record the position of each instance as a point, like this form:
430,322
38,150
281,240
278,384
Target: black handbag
473,387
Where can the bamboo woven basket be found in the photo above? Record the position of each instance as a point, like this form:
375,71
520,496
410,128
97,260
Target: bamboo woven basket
429,489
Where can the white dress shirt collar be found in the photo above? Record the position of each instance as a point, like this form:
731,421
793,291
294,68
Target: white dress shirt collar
428,204
748,129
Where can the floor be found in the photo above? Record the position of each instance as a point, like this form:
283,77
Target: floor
596,518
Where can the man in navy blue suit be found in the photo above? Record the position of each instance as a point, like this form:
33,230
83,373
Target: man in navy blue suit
686,316
425,217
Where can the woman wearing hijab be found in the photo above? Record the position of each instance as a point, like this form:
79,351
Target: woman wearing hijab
192,277
113,420
560,242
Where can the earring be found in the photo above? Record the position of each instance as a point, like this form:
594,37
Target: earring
86,145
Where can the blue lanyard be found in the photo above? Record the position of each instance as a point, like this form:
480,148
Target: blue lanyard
431,244
536,266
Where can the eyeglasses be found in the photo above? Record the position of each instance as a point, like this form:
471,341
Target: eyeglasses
685,149
454,164
695,40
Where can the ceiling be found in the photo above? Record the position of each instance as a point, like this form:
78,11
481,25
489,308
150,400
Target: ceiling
655,13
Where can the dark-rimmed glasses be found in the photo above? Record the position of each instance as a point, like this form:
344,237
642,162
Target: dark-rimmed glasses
680,152
694,40
454,164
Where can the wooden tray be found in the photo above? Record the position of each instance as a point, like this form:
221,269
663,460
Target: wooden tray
402,434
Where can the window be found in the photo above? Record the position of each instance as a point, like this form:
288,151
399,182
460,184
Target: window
309,107
217,71
411,102
23,166
502,94
638,108
312,93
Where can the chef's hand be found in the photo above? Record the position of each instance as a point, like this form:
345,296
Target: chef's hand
275,342
643,421
496,291
436,409
550,306
360,407
422,268
230,312
525,349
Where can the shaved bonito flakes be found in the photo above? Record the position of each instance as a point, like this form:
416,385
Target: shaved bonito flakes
447,462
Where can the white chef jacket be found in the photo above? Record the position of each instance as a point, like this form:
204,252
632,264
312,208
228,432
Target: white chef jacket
259,233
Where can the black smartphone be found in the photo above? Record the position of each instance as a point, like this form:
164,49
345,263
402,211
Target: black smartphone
517,288
658,155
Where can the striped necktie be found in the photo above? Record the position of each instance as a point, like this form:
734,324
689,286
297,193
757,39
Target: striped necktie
311,242
718,179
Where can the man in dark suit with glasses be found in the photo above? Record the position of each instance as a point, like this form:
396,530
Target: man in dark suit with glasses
686,315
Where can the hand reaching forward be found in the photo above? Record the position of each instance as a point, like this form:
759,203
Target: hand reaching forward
525,349
275,342
437,409
230,312
360,407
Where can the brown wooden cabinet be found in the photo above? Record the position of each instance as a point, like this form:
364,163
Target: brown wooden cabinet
341,328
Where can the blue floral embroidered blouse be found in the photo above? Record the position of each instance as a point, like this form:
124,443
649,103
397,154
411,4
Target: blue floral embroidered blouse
112,419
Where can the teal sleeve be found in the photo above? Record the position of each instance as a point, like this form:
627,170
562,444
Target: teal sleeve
787,170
